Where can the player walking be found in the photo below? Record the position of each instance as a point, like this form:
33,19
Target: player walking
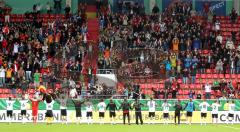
89,110
215,107
151,110
204,106
23,107
166,106
231,109
101,109
10,103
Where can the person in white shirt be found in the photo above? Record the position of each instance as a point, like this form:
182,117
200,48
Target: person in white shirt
231,109
215,107
101,108
204,108
89,110
208,90
219,38
2,76
15,48
73,93
166,106
230,44
49,107
217,25
23,104
151,109
62,100
10,103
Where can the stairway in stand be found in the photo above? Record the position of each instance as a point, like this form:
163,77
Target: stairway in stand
93,31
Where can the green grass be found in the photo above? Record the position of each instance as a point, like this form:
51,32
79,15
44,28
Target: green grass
117,128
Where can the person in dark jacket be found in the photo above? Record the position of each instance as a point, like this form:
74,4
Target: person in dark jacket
78,106
178,108
137,106
125,106
112,111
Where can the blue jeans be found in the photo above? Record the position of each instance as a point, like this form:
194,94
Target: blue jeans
2,81
28,75
193,79
185,80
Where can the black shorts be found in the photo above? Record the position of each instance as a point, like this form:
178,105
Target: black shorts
23,112
63,112
49,113
214,115
189,114
165,115
89,114
230,115
112,114
9,113
78,113
101,114
204,115
151,114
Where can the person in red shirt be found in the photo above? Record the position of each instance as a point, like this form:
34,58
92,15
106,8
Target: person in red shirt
35,103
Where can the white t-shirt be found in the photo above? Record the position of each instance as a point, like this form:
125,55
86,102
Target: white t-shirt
203,106
2,72
23,104
231,108
89,108
49,106
73,92
219,38
217,25
208,89
15,48
101,107
151,106
215,107
10,104
166,107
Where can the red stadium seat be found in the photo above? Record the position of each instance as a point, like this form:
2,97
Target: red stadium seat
161,86
215,76
209,76
203,76
192,86
227,76
221,76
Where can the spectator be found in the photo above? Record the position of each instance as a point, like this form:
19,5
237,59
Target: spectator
36,79
185,75
2,77
193,74
199,95
208,90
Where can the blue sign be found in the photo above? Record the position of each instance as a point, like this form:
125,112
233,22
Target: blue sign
218,7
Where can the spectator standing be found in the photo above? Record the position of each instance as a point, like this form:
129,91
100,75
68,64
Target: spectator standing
208,90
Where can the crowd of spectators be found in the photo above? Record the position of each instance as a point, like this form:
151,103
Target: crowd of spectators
174,44
36,53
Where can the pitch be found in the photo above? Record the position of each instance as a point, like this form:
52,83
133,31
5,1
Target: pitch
16,127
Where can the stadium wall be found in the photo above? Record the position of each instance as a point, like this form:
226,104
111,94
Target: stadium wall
71,118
